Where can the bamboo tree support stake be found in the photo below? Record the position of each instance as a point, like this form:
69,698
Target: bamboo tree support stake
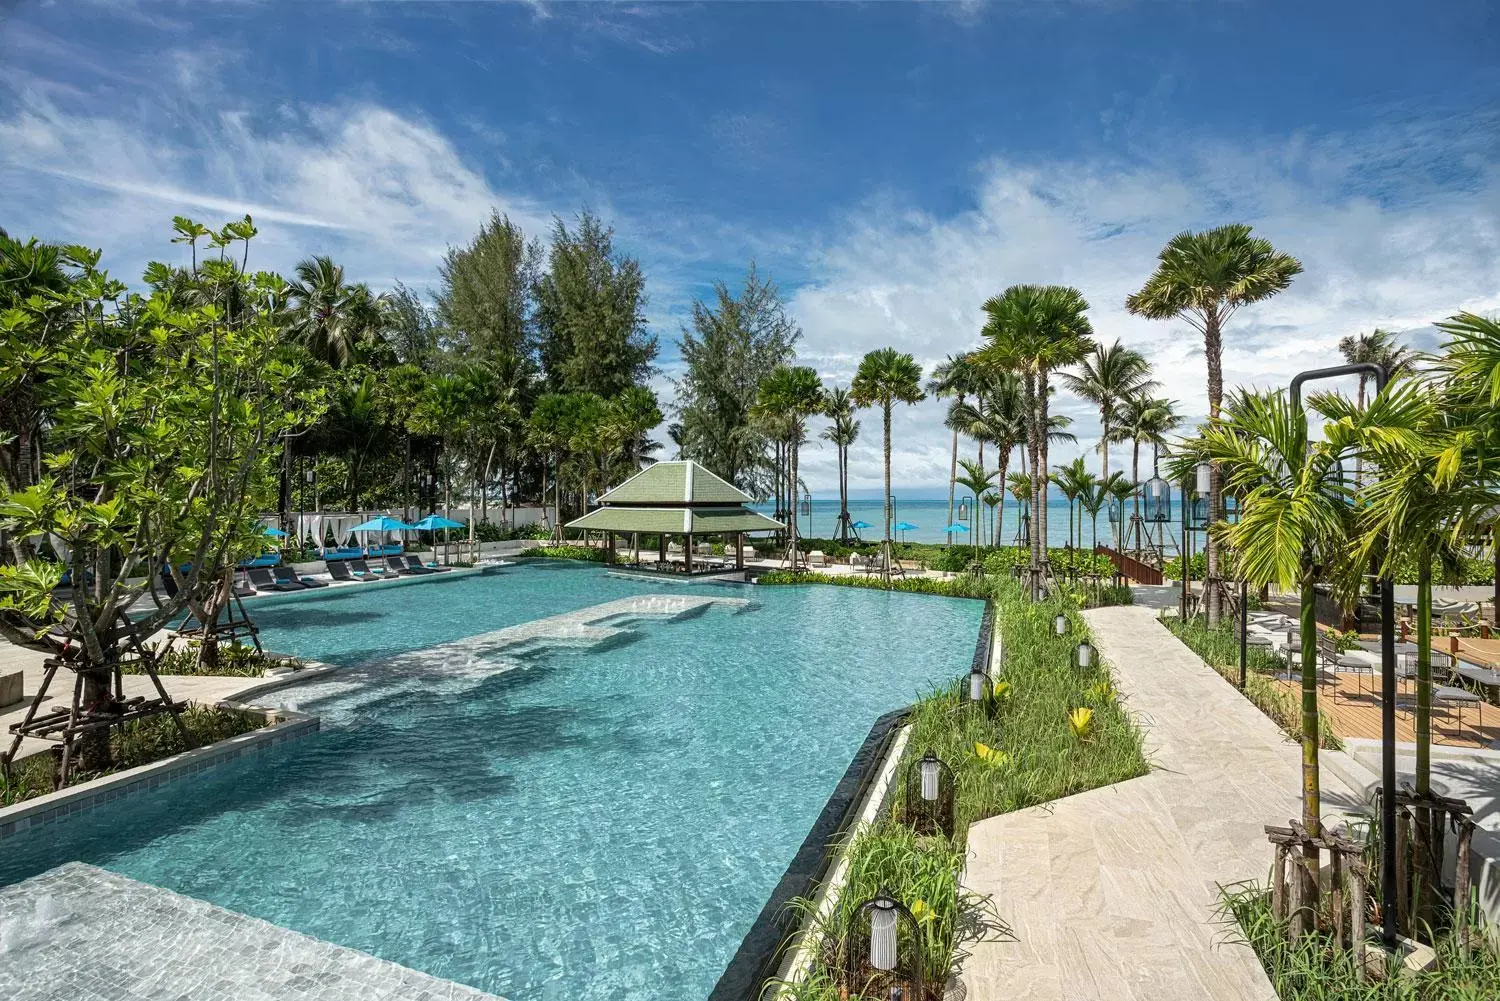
1278,884
1357,915
1403,872
1336,895
1461,901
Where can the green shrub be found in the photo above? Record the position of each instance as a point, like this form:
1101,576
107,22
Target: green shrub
235,660
588,553
1312,969
138,742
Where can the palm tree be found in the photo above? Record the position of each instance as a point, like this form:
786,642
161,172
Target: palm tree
330,317
1295,515
886,377
1105,378
958,378
1379,347
996,417
977,481
1119,490
1019,484
1093,500
1204,278
793,394
1034,330
842,433
1142,420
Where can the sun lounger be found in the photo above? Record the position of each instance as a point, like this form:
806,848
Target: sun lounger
339,570
817,559
415,563
263,581
286,575
241,585
397,565
361,567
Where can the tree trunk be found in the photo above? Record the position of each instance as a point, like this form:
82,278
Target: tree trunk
1034,449
1104,444
792,446
1044,456
1135,498
1311,805
886,427
1213,349
952,479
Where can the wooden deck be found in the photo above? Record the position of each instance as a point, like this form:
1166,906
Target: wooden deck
1353,706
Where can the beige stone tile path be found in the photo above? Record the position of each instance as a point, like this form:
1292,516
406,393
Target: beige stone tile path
1111,893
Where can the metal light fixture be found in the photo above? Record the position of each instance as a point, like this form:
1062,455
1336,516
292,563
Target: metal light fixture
963,509
882,964
1158,500
1203,473
1061,624
805,508
1083,656
929,796
309,474
1114,512
978,684
1198,513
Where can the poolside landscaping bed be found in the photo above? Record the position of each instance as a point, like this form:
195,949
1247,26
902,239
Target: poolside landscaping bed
1046,730
139,742
232,660
1219,647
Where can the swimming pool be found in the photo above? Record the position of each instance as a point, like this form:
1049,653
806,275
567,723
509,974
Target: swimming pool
597,811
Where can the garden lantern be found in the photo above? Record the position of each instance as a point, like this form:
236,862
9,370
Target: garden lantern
1203,475
929,796
963,509
1061,624
1158,506
881,975
1198,513
1083,656
978,684
805,508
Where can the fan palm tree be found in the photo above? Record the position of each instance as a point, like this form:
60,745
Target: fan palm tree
1295,515
978,482
887,377
1205,278
997,417
1142,420
793,394
329,316
958,378
1379,347
1104,378
1033,330
843,432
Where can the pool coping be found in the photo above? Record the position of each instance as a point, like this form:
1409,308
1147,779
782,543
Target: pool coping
288,725
820,867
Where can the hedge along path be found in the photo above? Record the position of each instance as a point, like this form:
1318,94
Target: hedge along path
1113,892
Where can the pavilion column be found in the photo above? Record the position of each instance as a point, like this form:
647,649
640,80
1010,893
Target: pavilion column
739,550
635,547
609,540
661,548
687,552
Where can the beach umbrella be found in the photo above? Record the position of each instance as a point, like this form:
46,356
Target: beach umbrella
904,527
384,523
275,532
861,524
433,522
956,527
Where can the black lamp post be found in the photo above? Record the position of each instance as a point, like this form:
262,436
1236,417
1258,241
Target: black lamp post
929,796
1388,880
882,954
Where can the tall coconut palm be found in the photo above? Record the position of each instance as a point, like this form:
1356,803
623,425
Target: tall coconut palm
1104,378
843,432
957,378
1205,278
887,377
793,394
328,315
1295,515
996,417
1034,330
977,481
1142,420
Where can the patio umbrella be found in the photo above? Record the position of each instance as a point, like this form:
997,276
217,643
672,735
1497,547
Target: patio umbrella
382,524
276,532
859,526
433,522
904,527
955,527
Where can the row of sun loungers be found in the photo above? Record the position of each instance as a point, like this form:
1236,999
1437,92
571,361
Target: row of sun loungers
284,578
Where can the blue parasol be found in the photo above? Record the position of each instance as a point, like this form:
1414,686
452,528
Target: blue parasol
276,532
956,527
433,522
861,524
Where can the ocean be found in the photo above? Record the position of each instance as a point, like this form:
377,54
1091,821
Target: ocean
931,515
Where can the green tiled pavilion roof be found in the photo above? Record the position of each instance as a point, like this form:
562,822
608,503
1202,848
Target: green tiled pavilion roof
669,484
676,520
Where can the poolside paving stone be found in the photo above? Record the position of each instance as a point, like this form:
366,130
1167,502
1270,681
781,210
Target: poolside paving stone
79,933
1112,892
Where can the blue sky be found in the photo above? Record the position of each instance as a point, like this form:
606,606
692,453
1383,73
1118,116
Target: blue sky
890,164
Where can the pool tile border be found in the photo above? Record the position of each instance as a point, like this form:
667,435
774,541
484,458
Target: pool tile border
289,726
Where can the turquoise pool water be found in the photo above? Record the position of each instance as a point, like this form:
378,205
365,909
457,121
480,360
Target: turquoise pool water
599,823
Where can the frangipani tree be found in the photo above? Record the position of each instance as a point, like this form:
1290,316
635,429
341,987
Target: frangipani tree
159,416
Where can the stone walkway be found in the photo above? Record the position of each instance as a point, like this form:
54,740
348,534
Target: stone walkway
77,933
1111,893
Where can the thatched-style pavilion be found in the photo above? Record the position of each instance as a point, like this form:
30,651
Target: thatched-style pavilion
677,498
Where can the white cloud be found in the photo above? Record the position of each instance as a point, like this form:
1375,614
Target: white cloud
1398,255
